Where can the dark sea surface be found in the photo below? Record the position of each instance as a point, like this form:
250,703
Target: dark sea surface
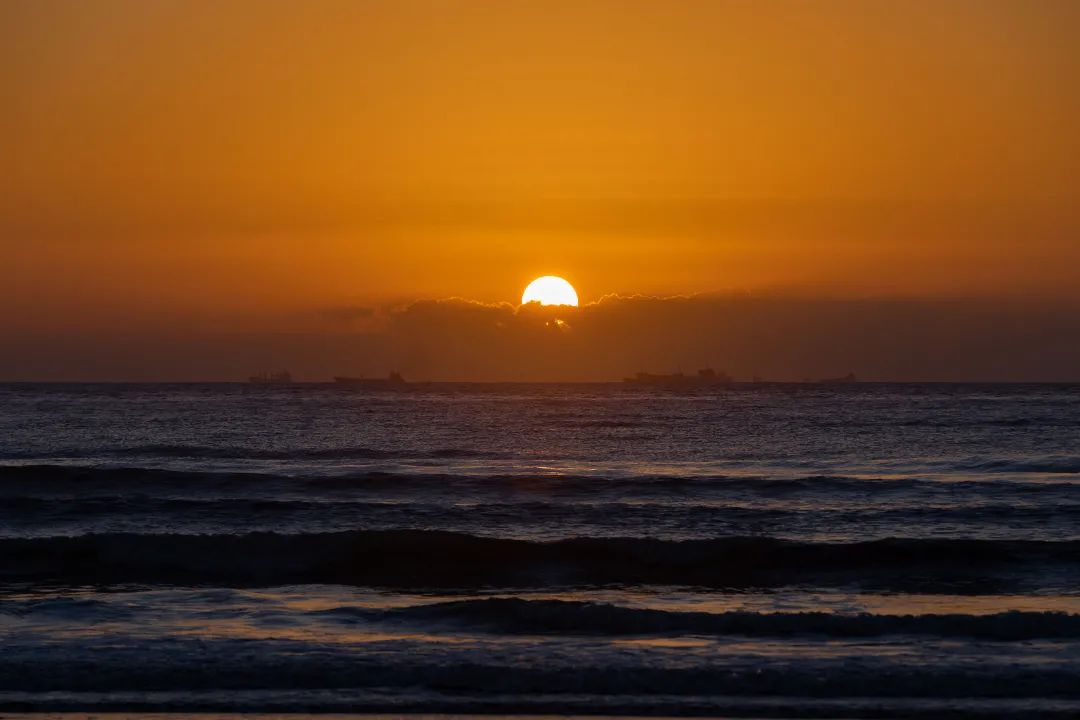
764,550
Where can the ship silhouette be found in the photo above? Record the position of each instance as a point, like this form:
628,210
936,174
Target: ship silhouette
393,381
706,377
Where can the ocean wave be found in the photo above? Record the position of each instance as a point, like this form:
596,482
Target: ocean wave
234,510
524,616
77,609
511,674
254,453
425,558
562,617
727,702
1059,464
83,478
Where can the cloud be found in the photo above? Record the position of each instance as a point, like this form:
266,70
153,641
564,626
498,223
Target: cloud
784,338
779,338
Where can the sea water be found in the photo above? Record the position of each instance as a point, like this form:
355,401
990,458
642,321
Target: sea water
761,550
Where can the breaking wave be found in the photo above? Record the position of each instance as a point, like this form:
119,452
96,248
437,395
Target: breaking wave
241,453
424,558
86,478
1060,464
562,617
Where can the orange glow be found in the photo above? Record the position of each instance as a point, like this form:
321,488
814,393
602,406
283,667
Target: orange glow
259,167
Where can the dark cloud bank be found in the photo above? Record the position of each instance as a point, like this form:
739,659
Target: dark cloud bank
772,337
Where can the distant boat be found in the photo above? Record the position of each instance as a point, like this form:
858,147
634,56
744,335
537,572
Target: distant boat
393,381
706,377
847,379
273,378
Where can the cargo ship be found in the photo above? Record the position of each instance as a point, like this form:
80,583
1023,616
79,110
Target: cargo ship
706,377
393,381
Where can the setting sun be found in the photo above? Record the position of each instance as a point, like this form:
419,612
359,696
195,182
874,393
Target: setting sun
550,290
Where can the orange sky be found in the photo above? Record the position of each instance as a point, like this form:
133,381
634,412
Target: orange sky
248,165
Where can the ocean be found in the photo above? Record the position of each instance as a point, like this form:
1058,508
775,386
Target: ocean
765,550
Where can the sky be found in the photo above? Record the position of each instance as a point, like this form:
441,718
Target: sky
184,184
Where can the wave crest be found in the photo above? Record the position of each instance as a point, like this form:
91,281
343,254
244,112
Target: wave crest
564,617
423,558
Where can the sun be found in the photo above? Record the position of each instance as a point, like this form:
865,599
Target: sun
550,290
